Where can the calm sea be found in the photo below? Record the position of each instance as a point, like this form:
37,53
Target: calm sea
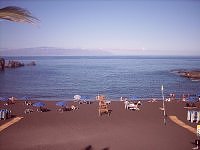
59,78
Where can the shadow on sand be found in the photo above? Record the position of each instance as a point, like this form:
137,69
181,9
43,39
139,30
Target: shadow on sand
89,147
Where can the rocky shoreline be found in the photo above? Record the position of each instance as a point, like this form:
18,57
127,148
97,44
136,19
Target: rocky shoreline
16,64
191,74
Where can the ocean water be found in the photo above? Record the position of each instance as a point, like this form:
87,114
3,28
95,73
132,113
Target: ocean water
60,78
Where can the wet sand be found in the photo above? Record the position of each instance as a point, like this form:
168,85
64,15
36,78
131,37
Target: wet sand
83,129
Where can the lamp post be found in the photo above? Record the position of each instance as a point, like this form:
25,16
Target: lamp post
164,113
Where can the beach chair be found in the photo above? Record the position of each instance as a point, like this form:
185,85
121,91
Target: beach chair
74,107
27,103
28,111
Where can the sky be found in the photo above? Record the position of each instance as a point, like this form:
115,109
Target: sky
122,27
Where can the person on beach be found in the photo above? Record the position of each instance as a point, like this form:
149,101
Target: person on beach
121,98
74,107
126,103
97,97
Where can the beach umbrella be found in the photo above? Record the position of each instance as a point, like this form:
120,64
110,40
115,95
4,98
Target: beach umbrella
77,97
85,97
25,98
134,98
3,99
192,99
61,103
39,104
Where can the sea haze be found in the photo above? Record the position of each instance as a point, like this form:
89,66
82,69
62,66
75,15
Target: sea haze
52,51
59,78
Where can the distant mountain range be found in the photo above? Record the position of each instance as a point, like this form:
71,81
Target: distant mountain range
52,51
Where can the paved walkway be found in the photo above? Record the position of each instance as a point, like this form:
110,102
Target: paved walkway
7,124
182,124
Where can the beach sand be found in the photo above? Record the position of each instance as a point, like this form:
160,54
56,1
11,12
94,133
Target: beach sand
83,129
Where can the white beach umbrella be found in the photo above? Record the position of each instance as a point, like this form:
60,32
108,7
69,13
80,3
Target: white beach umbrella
77,97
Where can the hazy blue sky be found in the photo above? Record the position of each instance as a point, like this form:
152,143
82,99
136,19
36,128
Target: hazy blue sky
154,27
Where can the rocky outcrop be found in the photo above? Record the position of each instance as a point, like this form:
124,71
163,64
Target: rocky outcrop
17,64
2,63
31,64
191,74
14,64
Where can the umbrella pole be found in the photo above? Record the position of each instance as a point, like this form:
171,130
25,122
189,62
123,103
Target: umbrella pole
164,113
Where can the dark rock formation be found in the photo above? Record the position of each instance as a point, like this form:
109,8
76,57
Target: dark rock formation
191,74
14,64
2,63
31,63
17,64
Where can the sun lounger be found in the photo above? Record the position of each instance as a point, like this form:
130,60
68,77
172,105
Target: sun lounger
74,107
68,108
64,109
108,102
84,102
153,100
28,111
132,106
27,103
42,109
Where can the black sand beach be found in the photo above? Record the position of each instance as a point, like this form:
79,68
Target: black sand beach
83,129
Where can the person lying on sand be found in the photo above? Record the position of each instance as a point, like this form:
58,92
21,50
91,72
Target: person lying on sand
74,107
28,111
153,100
27,103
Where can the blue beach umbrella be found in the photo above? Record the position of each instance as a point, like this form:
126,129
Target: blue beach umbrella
134,98
61,103
85,97
25,98
192,99
39,104
3,99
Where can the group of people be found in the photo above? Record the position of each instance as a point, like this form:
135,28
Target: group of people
66,108
130,105
10,100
